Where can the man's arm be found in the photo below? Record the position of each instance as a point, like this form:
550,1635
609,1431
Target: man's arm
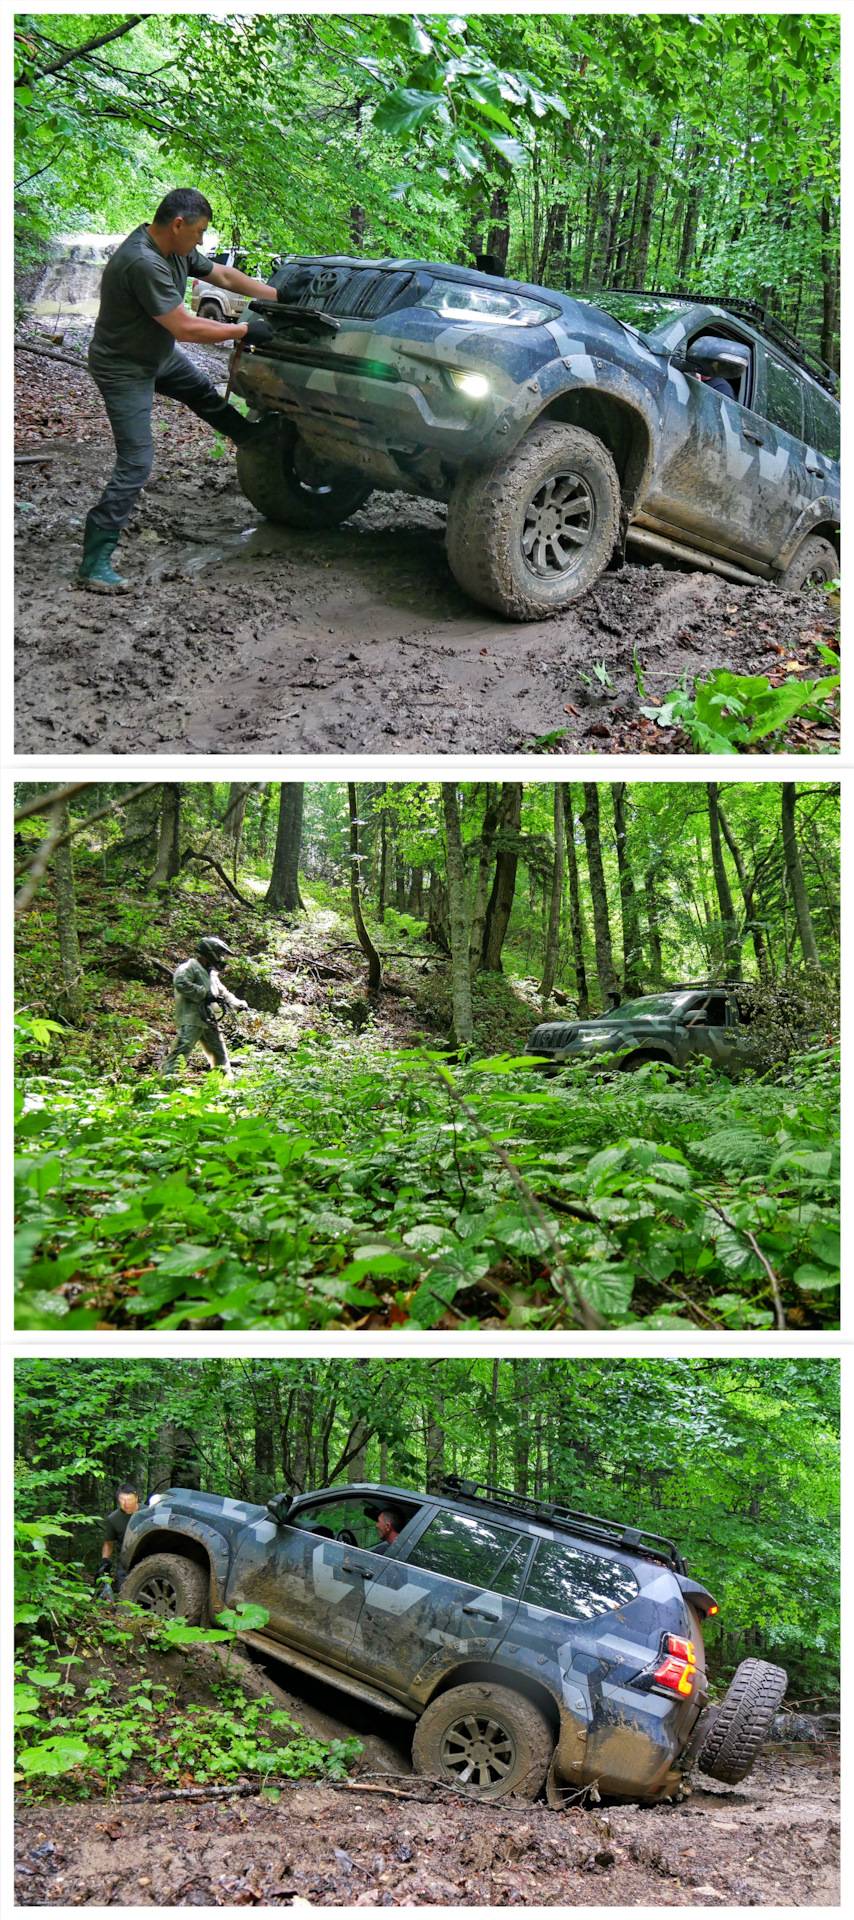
240,283
184,325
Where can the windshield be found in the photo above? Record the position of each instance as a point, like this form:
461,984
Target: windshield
658,1003
643,311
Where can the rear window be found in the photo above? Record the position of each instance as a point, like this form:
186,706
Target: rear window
580,1585
469,1549
822,421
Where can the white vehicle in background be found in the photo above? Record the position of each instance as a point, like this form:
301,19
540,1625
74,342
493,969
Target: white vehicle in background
217,303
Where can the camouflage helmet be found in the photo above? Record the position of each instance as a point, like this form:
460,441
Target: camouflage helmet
211,950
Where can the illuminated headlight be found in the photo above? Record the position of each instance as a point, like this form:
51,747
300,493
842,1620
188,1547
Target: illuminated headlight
454,301
474,384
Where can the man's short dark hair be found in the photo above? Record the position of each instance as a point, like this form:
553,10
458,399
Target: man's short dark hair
127,1488
395,1516
186,201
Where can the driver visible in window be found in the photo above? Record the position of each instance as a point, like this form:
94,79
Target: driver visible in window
389,1523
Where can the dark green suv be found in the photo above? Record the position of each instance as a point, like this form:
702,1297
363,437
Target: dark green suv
716,1023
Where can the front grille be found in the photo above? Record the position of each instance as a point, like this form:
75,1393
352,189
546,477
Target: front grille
360,293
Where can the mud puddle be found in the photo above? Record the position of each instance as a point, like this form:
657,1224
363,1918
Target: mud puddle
238,636
773,1841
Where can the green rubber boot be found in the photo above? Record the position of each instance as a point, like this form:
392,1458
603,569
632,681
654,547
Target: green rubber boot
95,571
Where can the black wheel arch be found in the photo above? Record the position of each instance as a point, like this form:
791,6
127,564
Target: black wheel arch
620,426
499,1676
646,1056
211,1553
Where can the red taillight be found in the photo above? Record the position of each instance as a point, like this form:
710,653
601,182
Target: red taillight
678,1669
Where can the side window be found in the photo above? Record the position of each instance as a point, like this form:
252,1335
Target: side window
469,1549
346,1520
784,401
822,421
577,1584
716,1011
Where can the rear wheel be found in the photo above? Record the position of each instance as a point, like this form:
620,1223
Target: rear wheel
742,1723
530,535
487,1738
167,1585
815,564
637,1060
276,476
210,310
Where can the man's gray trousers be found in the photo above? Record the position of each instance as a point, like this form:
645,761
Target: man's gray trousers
196,1029
128,398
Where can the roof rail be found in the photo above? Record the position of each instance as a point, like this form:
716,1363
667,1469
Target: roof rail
612,1533
753,310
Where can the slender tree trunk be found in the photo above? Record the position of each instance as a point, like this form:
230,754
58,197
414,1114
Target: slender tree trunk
71,997
829,286
381,902
484,867
652,913
553,934
598,895
492,1455
498,236
642,244
434,1439
747,889
168,863
504,884
522,1434
283,893
575,922
729,924
264,820
375,975
463,1027
238,794
795,876
629,913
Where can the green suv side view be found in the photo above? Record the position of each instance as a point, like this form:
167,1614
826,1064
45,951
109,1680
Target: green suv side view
528,1644
682,1024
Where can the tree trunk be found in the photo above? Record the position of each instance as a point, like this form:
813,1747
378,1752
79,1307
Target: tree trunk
829,287
498,235
553,933
642,243
168,863
632,947
375,976
652,913
575,924
434,1439
238,794
692,210
71,997
484,865
504,884
283,893
598,895
522,1435
264,820
731,936
795,876
382,896
415,894
463,1028
747,891
492,1455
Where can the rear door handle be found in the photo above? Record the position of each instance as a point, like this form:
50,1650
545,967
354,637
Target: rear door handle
480,1613
752,436
818,471
364,1573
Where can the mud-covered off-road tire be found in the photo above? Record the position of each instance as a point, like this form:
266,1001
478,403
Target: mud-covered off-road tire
486,1738
268,477
558,476
634,1061
210,310
743,1721
166,1586
815,564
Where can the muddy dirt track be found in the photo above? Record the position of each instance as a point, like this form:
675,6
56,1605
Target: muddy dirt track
773,1841
241,637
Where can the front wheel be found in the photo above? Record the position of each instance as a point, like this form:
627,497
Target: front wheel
271,475
166,1586
815,564
530,535
487,1738
741,1724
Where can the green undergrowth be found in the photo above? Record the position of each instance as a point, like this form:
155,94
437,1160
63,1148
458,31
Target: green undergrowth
325,1191
112,1698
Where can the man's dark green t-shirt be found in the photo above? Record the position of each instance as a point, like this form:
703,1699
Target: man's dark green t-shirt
138,283
116,1525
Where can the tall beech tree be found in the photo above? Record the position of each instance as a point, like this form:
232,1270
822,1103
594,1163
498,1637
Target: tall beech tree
283,892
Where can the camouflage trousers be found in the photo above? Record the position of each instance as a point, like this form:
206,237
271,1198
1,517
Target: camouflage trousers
196,1029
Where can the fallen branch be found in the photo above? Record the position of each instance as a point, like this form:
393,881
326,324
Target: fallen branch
207,860
33,459
44,353
779,1315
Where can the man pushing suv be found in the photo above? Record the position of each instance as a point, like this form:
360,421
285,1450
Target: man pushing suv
134,354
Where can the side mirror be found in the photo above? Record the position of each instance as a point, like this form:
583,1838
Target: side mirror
279,1507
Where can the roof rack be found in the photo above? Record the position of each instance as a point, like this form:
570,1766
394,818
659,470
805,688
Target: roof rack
612,1533
753,310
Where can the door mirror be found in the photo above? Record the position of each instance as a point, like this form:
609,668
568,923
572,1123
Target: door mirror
279,1507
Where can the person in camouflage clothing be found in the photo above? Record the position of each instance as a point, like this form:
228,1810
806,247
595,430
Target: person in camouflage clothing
198,989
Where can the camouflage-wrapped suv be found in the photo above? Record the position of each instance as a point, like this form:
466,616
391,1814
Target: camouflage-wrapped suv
528,1643
686,1023
554,430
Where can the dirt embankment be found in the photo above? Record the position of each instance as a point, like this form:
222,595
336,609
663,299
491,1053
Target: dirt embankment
240,636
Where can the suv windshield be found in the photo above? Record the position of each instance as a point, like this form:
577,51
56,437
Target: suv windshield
640,310
658,1003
